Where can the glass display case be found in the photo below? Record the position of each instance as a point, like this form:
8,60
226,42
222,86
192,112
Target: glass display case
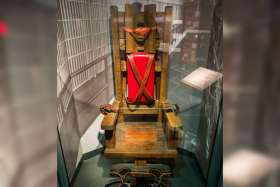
87,78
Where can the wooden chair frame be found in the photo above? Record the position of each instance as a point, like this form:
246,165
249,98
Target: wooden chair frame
122,43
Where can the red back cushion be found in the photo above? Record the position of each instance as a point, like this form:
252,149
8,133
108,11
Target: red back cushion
141,60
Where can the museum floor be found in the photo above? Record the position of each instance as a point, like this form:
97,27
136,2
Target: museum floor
94,172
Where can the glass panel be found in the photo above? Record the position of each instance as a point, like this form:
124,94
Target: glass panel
83,78
199,108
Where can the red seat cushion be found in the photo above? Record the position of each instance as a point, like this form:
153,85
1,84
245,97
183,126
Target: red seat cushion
141,61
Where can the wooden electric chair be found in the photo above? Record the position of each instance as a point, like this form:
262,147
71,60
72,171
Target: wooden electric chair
141,124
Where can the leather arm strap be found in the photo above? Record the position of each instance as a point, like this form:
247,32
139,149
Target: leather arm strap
107,108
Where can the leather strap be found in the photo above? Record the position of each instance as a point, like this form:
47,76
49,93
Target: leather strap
107,108
141,82
142,31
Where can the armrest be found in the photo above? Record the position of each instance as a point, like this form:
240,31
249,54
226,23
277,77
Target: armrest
173,121
109,120
174,129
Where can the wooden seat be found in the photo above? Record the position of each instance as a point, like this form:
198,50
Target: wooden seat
140,140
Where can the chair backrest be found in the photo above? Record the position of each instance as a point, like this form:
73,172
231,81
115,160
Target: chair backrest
136,33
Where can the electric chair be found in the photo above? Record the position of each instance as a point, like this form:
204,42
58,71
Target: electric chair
141,124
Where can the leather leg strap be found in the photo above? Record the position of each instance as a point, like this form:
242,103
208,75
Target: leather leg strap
141,82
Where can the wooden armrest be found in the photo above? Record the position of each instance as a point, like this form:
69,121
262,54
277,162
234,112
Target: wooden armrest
109,120
174,129
173,121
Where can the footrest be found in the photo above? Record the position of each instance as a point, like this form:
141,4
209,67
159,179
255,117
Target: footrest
140,171
127,173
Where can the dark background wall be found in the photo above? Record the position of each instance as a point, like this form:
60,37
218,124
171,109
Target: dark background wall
251,86
27,97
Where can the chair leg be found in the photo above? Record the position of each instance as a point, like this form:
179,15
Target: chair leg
110,138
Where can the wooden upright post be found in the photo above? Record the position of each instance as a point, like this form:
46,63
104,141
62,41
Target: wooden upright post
130,11
165,54
116,52
149,17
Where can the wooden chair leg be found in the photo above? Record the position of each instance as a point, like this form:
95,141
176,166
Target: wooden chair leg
110,138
